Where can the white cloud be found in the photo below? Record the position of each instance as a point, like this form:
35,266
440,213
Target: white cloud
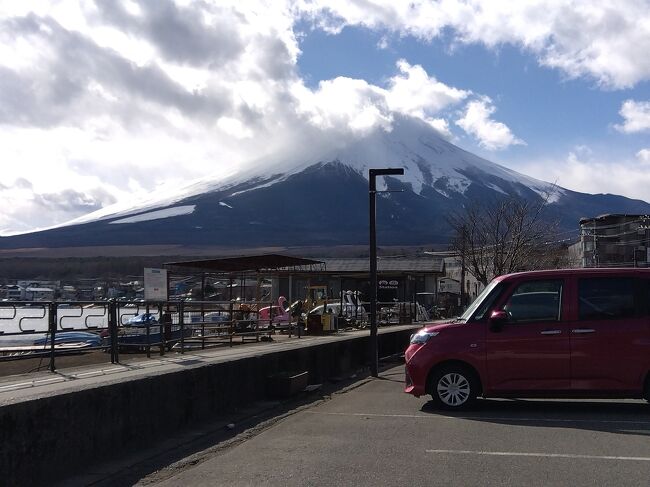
636,115
414,92
442,126
491,135
130,96
590,174
644,156
358,106
605,40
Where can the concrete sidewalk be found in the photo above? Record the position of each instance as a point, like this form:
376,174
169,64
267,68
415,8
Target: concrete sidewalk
44,383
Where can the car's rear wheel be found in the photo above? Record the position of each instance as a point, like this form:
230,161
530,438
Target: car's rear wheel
453,387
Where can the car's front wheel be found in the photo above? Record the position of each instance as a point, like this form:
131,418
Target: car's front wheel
453,387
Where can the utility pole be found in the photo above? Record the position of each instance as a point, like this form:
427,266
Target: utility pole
372,191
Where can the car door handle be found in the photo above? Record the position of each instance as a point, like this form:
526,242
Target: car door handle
583,330
550,332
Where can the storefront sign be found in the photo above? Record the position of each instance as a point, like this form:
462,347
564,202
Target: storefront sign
392,284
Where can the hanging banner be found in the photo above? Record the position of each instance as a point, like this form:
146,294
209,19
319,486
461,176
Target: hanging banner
155,284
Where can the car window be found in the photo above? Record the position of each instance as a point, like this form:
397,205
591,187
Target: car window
484,301
606,298
535,301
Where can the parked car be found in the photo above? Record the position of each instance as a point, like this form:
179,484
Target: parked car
560,333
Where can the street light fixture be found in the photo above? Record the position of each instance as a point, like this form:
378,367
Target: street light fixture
372,190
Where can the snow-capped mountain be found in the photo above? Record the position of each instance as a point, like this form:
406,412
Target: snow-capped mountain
322,199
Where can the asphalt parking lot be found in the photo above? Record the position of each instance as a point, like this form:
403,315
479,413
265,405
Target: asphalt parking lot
374,434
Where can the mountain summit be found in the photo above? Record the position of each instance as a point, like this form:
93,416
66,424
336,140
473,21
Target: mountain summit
322,199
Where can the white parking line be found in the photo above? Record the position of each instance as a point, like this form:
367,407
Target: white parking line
538,455
490,418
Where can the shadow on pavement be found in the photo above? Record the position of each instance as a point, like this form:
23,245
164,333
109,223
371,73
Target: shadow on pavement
623,417
165,459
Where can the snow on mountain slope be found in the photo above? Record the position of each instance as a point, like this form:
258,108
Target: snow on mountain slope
319,197
426,157
157,215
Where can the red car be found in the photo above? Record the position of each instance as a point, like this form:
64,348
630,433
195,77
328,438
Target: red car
559,333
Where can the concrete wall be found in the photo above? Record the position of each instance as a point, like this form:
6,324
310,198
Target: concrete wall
49,438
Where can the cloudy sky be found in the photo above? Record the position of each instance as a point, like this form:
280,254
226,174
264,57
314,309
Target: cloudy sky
101,102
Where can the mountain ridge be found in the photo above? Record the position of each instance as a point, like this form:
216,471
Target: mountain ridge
322,199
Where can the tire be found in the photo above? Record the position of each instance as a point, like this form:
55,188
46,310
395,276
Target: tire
454,388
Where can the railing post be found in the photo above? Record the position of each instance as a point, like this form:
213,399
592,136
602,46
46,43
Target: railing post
148,325
181,322
163,325
112,331
52,327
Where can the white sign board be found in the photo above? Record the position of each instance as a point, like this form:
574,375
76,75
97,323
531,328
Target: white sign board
155,284
448,285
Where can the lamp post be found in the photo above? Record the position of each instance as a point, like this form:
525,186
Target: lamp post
372,191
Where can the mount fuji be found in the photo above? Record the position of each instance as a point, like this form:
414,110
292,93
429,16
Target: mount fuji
323,200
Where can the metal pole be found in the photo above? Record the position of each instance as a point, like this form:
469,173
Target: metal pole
374,358
112,331
372,190
52,319
181,322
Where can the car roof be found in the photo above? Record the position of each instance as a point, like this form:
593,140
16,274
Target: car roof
587,272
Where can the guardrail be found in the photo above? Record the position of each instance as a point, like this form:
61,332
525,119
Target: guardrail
36,329
49,329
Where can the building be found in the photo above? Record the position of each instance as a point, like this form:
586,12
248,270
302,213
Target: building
614,240
400,279
12,292
38,294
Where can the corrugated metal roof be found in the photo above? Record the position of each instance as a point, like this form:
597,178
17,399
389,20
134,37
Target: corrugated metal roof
247,263
427,265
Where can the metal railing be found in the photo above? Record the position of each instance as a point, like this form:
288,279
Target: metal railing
50,329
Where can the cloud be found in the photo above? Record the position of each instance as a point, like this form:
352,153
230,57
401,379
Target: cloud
491,135
71,201
360,106
195,36
442,126
20,183
136,96
636,115
413,92
592,174
601,40
343,103
644,156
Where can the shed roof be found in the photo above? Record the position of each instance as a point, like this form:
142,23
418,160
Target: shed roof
416,265
268,262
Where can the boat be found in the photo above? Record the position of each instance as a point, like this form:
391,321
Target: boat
144,330
40,343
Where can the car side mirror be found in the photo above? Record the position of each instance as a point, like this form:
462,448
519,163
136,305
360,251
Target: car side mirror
497,319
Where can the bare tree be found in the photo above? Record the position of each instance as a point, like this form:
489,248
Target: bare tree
506,236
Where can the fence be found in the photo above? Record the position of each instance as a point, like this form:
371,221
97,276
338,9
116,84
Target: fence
51,329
